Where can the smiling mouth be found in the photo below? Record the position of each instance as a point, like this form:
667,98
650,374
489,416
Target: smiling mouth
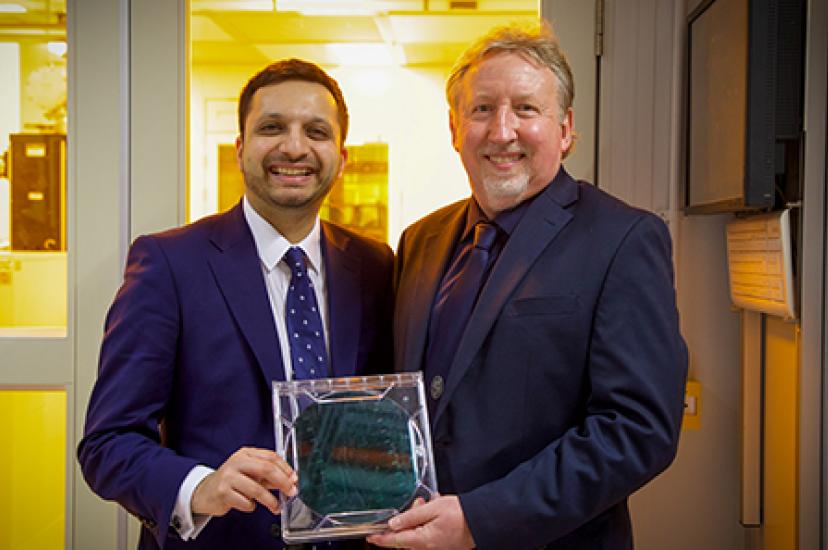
290,171
503,159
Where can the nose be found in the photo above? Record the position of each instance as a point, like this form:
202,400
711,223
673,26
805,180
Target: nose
294,144
504,125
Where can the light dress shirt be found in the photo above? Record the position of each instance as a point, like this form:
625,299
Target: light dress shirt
271,247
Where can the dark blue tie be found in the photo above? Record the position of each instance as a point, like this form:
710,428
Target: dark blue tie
453,306
304,323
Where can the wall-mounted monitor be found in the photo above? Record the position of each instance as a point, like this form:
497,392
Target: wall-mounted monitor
737,110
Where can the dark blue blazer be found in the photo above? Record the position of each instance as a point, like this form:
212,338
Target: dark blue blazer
188,358
566,391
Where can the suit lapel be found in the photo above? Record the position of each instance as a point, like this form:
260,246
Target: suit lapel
342,277
438,245
540,225
237,269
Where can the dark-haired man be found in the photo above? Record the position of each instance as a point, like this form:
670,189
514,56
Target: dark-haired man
180,428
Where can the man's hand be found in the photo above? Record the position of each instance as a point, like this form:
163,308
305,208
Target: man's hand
436,524
247,477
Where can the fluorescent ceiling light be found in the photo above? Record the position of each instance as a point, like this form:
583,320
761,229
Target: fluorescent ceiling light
57,48
365,54
12,8
234,5
333,7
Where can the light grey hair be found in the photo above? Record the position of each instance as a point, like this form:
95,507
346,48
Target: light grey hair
534,41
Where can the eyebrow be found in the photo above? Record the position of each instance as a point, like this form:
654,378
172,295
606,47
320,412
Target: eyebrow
525,98
279,116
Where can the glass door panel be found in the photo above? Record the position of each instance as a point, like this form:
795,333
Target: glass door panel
35,355
33,244
33,469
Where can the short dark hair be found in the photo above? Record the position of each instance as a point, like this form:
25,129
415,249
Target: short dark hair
293,69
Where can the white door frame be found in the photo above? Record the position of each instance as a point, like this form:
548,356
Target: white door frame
128,93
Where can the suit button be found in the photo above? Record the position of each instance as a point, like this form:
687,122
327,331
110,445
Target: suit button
437,387
275,530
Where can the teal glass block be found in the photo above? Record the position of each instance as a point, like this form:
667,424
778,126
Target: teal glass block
355,455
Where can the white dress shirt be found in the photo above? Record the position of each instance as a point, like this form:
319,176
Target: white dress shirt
271,247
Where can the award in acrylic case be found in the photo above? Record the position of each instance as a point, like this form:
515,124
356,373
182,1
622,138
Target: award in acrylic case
361,448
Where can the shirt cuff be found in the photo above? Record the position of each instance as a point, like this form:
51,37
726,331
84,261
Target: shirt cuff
183,521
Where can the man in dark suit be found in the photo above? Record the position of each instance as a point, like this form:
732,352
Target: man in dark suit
542,312
180,427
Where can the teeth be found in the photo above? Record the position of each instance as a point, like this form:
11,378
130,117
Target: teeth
291,171
500,159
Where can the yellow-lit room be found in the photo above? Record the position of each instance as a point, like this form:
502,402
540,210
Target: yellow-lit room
33,170
391,60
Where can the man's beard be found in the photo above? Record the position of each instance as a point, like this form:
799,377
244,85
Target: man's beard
259,184
502,189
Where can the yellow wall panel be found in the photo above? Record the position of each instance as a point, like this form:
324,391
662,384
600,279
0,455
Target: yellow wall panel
32,469
781,428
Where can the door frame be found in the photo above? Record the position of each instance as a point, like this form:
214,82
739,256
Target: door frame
127,176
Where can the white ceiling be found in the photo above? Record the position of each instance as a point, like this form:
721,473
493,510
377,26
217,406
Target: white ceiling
423,32
234,32
40,18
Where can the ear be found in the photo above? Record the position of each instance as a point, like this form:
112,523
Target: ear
567,127
239,151
453,129
343,154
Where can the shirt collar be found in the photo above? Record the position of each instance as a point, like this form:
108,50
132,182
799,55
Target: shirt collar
271,245
506,221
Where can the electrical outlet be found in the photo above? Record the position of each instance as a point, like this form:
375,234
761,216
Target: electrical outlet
692,406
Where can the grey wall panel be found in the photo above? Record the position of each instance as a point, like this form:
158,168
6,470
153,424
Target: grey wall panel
813,427
96,138
638,104
159,78
574,23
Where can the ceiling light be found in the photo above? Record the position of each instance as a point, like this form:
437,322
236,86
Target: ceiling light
57,48
12,8
332,7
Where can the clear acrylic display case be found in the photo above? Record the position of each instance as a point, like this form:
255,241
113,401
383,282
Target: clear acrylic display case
361,448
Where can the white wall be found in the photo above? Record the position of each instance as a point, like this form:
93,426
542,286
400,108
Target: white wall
404,107
9,123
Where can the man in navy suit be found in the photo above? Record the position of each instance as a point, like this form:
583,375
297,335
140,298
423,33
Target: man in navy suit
542,312
180,426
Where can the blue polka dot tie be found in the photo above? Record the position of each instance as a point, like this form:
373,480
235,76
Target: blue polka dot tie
304,323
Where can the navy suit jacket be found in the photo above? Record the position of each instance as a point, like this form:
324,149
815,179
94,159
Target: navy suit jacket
566,391
191,346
